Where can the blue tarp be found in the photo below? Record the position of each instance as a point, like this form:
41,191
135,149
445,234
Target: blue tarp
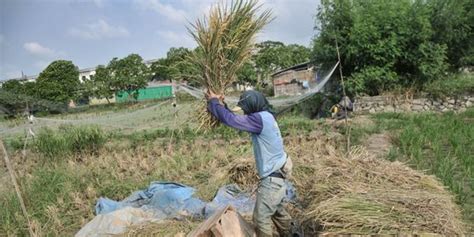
167,199
231,194
173,200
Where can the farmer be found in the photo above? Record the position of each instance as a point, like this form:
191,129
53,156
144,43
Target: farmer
342,109
270,157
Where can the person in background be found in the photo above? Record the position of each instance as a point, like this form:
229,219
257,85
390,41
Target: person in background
342,109
273,164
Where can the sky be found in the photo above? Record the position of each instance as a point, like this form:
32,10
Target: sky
34,33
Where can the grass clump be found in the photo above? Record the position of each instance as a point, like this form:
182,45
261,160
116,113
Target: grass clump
453,86
69,140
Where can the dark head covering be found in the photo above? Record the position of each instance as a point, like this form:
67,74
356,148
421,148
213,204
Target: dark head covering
253,102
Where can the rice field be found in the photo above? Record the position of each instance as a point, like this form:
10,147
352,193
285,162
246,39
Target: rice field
69,166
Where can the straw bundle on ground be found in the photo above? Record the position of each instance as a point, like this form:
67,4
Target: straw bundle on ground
225,41
361,194
244,173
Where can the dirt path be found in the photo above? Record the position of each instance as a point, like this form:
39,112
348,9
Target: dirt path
378,144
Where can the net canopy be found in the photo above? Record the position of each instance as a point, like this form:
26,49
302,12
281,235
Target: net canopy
140,116
275,102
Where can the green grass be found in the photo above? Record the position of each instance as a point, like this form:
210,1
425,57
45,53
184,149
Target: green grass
68,140
441,144
456,85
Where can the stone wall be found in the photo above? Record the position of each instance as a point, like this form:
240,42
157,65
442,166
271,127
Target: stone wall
373,104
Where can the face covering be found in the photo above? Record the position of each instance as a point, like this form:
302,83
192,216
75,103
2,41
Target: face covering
253,102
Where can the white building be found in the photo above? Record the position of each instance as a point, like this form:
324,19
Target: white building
84,74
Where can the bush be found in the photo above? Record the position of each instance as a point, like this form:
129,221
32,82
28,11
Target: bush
372,80
68,140
184,97
84,138
268,90
317,106
387,44
16,143
452,86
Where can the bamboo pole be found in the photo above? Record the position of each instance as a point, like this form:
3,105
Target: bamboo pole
348,129
17,188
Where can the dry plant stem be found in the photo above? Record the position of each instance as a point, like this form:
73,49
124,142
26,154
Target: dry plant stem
225,40
17,188
205,120
364,194
175,118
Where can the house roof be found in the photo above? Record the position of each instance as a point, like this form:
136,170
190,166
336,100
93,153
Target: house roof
295,67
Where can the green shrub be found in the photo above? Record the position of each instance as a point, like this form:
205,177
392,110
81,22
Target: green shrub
268,90
16,143
452,86
184,97
372,80
48,186
295,124
317,105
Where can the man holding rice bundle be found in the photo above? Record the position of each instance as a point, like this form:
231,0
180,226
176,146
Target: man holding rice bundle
273,164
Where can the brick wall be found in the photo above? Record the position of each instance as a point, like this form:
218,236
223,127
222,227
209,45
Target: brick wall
282,82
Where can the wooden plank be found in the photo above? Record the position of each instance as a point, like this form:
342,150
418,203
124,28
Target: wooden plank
225,222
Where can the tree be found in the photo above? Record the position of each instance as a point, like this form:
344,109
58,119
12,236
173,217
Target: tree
453,25
161,69
128,74
269,56
20,96
274,55
176,65
383,44
297,54
333,20
100,84
59,82
247,74
12,97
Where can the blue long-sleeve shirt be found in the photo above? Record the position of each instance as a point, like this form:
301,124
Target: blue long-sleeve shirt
266,137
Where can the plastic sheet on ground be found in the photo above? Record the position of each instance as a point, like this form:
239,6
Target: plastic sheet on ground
231,195
166,200
115,222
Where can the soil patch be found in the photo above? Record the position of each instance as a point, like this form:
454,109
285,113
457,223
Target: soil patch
378,144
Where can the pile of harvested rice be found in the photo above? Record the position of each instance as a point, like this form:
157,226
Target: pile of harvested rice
244,173
349,194
360,194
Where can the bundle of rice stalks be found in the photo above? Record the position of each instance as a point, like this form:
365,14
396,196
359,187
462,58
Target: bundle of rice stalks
360,194
225,41
244,173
